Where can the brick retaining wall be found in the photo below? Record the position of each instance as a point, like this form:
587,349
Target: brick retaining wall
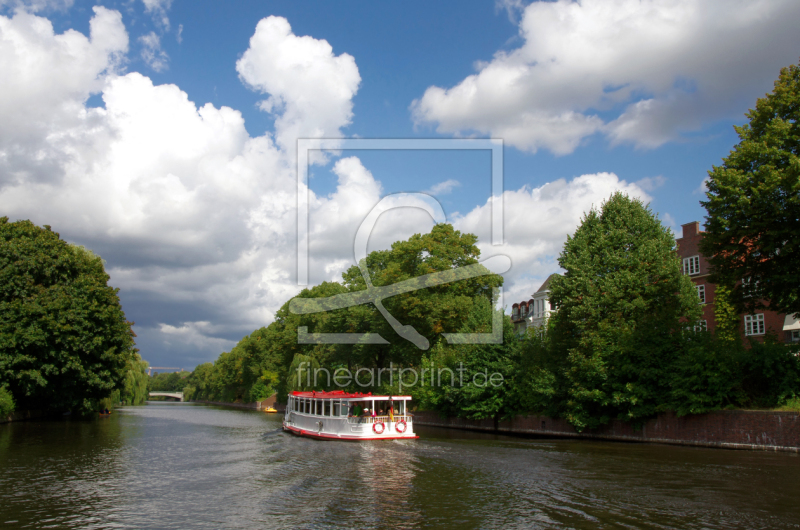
734,429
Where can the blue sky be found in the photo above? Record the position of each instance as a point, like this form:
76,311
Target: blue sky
160,133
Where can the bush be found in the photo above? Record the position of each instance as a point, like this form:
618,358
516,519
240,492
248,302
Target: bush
770,373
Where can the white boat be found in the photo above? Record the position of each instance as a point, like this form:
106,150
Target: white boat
338,415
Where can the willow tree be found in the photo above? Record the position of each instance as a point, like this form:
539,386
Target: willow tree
64,339
753,223
622,306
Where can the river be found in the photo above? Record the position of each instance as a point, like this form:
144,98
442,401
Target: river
183,465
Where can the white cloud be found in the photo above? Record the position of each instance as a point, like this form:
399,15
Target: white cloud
657,67
196,218
537,222
158,10
703,188
651,183
443,188
46,80
35,6
152,54
310,88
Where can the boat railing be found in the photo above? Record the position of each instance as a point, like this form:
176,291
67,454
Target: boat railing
378,419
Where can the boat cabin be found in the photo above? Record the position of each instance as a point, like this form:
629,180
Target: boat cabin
349,416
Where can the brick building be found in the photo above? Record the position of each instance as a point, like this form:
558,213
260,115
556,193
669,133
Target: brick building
752,326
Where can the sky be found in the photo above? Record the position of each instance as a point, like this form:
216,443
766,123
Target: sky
162,134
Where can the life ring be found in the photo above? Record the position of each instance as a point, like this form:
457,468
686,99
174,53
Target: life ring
375,428
400,426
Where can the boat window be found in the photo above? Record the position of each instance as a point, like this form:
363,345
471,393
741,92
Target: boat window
335,408
317,407
306,406
327,408
345,410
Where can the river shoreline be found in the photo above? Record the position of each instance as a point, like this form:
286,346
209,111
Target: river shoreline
729,429
752,430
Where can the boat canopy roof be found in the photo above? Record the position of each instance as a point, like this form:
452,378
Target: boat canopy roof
341,394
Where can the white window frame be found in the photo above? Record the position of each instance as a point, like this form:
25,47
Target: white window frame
701,325
691,265
701,293
794,335
754,324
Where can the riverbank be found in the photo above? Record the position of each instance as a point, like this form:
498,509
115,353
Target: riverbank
729,429
258,405
22,415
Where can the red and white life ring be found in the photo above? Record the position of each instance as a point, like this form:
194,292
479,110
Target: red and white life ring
400,426
375,428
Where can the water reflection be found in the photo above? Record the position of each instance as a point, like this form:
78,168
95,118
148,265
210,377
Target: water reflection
173,465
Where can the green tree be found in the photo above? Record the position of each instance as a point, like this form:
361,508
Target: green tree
134,386
753,204
64,339
471,380
622,305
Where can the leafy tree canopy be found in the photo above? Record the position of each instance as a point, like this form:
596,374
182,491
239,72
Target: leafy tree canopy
64,340
753,221
622,304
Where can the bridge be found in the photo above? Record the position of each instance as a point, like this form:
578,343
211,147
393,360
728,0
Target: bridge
176,395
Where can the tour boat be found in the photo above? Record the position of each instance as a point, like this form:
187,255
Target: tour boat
332,416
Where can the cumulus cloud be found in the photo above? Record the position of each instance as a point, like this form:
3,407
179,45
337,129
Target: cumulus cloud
196,218
537,222
639,72
152,54
46,80
310,88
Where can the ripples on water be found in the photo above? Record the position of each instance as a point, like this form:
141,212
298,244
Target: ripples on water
175,465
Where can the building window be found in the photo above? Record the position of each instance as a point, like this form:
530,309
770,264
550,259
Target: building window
701,325
749,287
794,336
701,292
754,324
691,265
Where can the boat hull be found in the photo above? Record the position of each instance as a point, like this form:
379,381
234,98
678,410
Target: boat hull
348,437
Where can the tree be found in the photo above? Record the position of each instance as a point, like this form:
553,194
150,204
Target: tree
134,387
471,380
622,305
753,221
64,339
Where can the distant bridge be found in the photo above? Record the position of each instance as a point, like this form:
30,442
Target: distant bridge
176,395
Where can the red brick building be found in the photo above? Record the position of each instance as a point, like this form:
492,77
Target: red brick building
752,326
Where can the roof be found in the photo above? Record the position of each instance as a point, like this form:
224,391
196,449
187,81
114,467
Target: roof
341,394
546,285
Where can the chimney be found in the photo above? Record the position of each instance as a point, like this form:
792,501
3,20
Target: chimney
691,229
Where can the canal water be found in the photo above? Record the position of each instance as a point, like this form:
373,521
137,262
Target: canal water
179,465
